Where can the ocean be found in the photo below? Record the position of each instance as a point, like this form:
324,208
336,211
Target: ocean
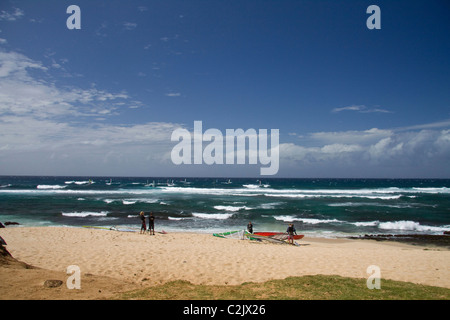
317,207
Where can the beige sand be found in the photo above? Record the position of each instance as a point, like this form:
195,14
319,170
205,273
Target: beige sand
144,260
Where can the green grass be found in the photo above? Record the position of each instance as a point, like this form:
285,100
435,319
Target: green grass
293,288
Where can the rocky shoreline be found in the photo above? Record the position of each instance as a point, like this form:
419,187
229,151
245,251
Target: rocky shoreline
414,239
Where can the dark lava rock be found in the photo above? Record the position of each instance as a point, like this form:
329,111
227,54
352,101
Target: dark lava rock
11,223
415,239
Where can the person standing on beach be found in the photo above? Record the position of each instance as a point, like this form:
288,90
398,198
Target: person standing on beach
143,226
291,231
250,227
151,223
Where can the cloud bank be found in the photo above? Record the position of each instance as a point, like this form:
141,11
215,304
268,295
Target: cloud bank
400,152
46,129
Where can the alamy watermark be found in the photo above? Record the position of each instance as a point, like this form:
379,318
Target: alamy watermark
73,22
374,21
374,280
74,281
231,149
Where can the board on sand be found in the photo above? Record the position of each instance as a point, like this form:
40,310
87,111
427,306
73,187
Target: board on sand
96,227
278,235
123,229
253,236
238,234
110,228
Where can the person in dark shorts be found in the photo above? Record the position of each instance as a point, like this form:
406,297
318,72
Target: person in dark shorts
291,231
143,226
151,224
250,227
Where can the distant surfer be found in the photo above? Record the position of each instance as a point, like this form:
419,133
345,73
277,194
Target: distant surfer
143,226
151,224
291,231
250,227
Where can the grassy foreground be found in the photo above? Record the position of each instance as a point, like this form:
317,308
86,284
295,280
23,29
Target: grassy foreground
318,287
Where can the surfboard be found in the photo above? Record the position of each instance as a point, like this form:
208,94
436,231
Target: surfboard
122,229
96,227
110,228
278,234
237,234
252,236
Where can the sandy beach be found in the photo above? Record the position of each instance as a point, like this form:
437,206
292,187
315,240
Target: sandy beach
112,261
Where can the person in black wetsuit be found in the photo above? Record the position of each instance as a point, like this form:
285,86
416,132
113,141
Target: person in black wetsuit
291,231
250,227
151,224
142,217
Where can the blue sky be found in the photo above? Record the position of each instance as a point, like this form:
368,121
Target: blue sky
104,100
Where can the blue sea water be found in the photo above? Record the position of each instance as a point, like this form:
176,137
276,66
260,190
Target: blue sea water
317,207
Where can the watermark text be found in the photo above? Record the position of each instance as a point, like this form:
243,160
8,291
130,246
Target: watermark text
231,149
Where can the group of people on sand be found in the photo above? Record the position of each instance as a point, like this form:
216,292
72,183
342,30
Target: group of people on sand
151,227
151,223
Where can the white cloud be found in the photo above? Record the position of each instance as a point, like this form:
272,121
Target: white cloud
16,63
293,153
45,129
173,94
43,146
49,128
23,94
433,125
11,16
400,151
130,25
351,137
360,109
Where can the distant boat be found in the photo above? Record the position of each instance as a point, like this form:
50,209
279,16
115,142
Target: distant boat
110,183
228,182
150,184
185,181
263,185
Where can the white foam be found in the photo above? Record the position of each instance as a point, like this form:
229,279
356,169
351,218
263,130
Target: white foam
251,186
217,216
49,187
177,218
306,220
366,224
270,205
432,190
231,208
407,225
84,214
79,182
251,190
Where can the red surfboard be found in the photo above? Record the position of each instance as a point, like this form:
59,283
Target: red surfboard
271,234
